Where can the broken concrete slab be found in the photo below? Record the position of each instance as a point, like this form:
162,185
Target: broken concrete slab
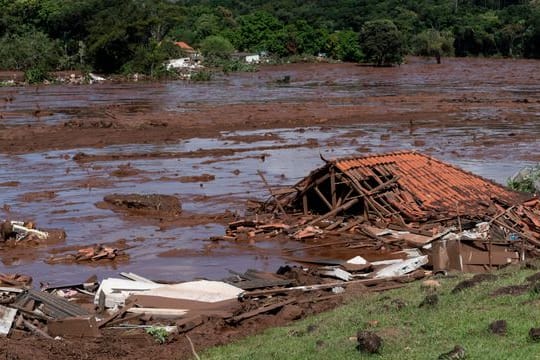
201,290
114,292
401,268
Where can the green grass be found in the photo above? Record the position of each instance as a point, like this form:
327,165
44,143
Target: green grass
410,332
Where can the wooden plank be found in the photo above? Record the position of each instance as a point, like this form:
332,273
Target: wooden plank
36,330
261,310
343,207
159,312
366,282
270,191
283,191
333,187
318,192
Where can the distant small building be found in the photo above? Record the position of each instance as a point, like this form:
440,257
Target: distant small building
183,63
185,47
249,58
252,59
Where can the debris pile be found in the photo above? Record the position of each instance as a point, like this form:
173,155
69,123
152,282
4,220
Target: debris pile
91,309
404,200
19,231
24,233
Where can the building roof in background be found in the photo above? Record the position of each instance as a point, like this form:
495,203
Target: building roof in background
184,46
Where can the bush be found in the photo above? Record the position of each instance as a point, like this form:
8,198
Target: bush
30,50
203,75
238,66
526,180
216,47
343,45
35,75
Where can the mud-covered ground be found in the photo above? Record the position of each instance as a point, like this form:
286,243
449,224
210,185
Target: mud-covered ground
63,149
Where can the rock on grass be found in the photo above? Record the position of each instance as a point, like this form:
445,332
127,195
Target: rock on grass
457,353
498,327
368,342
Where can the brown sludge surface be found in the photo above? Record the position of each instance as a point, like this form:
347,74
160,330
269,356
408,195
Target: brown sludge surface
203,144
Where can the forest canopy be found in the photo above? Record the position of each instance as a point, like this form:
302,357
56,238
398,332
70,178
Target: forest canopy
114,36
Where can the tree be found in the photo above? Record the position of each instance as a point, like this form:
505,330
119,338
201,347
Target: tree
258,31
33,49
125,28
431,42
381,42
216,47
531,42
344,46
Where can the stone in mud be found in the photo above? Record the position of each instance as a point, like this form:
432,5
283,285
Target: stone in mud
291,312
145,204
498,327
368,342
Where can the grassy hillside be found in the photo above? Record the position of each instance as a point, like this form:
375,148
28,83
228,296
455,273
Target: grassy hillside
407,330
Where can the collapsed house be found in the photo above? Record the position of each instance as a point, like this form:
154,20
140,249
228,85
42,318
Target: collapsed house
462,220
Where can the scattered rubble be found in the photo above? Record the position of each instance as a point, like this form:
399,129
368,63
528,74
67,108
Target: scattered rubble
24,233
386,220
397,202
91,254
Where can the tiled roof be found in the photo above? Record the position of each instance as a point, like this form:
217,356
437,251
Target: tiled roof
424,185
183,45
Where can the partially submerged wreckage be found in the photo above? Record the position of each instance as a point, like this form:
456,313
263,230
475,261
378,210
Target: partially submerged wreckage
462,221
410,209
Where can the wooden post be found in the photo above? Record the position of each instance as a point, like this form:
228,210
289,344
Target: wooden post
305,203
335,211
316,188
459,239
271,193
333,187
490,253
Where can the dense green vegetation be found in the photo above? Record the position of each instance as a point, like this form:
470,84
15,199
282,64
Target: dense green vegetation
408,330
129,36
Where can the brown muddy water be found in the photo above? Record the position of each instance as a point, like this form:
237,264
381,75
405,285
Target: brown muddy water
482,115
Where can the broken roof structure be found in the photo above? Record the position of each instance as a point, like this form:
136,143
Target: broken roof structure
403,187
474,224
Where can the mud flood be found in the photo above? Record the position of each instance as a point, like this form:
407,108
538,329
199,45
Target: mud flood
65,148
